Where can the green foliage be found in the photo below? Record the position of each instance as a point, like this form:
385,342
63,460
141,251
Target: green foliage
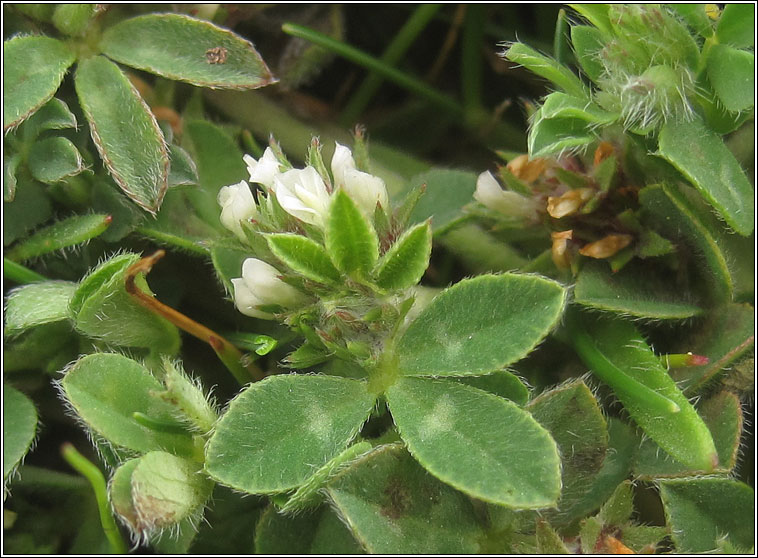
37,304
350,239
517,466
709,508
35,69
257,450
464,332
136,156
188,49
19,429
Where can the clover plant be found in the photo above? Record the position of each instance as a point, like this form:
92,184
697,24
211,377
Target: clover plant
407,359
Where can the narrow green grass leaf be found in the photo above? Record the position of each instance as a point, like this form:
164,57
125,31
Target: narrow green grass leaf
699,512
34,69
406,261
124,131
732,75
37,304
280,431
619,356
68,232
351,241
517,466
180,47
106,389
547,68
53,159
394,506
480,325
304,256
635,290
19,428
701,156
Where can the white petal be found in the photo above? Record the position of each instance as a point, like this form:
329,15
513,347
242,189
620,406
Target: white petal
264,169
237,204
342,161
366,190
246,302
490,194
263,281
302,193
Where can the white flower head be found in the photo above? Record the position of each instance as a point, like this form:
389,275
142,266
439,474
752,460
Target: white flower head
490,194
264,169
237,204
303,194
260,285
365,189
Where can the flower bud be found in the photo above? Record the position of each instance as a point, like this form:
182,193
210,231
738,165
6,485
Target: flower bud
302,193
365,189
264,169
559,251
490,194
260,285
237,204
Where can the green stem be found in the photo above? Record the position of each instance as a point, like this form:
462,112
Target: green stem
611,374
90,471
471,61
444,102
391,56
20,274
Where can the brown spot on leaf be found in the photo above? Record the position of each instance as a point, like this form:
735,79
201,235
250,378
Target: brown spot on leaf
216,55
397,502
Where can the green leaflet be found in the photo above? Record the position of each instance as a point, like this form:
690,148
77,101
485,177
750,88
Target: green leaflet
184,48
53,159
722,414
278,432
555,135
351,241
501,383
394,506
573,417
36,304
19,428
726,334
668,210
618,355
34,68
515,465
183,171
135,155
73,19
304,256
634,290
736,25
732,75
102,309
480,325
106,389
561,105
701,156
547,68
68,232
699,512
53,115
316,532
406,261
